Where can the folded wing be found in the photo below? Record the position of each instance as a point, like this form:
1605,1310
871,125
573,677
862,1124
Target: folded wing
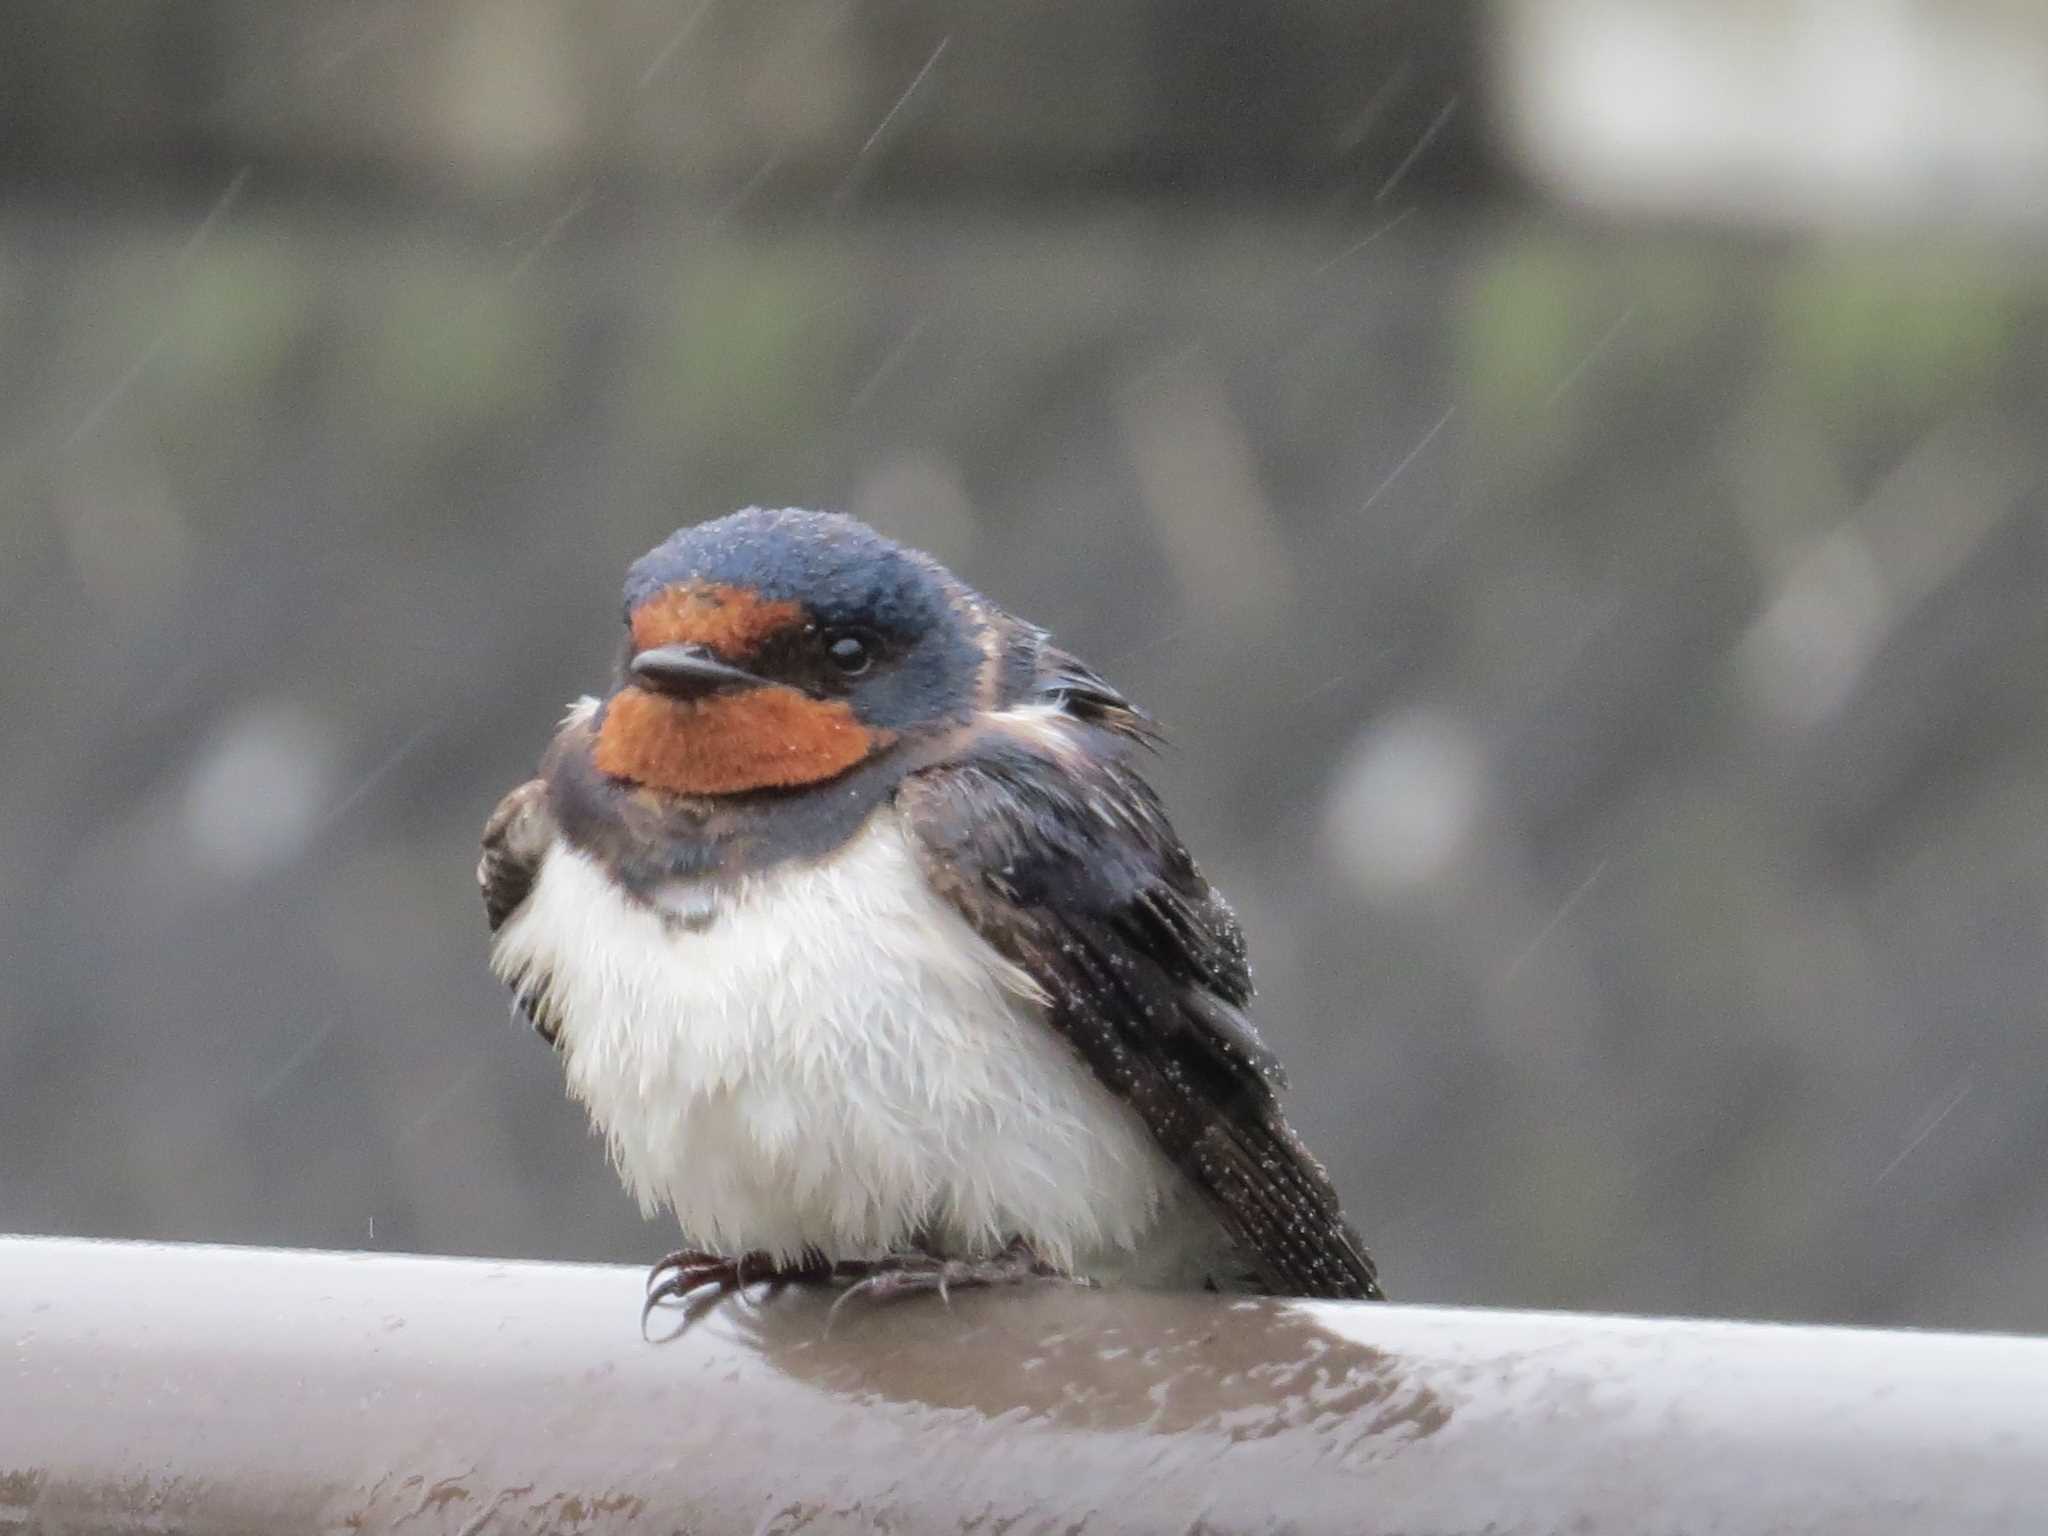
1059,854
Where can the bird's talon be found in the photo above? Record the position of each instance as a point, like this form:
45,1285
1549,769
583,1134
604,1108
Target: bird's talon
907,1274
699,1281
681,1277
673,1265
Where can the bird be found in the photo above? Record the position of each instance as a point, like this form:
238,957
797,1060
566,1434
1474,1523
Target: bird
873,955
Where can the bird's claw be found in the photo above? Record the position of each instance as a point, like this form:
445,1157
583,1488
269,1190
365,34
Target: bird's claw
911,1274
699,1281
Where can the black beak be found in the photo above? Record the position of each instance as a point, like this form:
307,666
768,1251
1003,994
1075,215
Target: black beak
686,672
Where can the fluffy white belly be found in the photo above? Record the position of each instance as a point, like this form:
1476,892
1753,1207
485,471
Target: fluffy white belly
836,1060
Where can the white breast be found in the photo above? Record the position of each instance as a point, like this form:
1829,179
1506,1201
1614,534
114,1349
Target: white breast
836,1060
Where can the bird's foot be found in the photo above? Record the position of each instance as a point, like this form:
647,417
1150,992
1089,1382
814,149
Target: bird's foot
698,1281
909,1274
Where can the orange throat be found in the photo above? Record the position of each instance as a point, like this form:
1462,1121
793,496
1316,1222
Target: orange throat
765,738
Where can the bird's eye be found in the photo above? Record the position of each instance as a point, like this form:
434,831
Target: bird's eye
849,652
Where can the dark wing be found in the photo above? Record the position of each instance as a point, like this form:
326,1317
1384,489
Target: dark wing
1060,855
515,838
1066,680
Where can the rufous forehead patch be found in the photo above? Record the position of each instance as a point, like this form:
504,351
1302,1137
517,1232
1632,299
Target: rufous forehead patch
731,622
764,738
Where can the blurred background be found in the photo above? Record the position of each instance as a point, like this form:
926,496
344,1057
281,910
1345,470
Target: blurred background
1571,475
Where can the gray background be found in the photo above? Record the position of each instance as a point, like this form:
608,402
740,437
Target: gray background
1604,659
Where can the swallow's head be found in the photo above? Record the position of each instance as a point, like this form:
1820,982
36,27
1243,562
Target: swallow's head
777,649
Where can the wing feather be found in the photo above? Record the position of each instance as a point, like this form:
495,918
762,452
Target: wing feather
516,839
1065,861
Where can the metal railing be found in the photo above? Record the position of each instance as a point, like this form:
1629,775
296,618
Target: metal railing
248,1390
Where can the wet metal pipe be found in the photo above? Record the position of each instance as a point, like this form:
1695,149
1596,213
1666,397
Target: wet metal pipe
224,1390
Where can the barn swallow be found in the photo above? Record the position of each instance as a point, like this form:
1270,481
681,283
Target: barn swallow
874,956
